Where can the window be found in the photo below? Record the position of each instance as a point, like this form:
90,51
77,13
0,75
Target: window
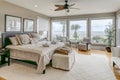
98,28
58,29
77,29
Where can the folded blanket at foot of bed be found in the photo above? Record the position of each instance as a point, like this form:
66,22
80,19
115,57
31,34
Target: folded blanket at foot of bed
63,50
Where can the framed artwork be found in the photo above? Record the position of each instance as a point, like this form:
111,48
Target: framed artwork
12,23
28,25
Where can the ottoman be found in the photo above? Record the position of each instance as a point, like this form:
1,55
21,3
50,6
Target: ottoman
62,61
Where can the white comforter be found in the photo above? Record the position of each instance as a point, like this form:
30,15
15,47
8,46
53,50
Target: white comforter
44,53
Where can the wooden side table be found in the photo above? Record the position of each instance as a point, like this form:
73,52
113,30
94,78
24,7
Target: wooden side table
5,56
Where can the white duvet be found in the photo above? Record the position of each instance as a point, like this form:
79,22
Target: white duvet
35,52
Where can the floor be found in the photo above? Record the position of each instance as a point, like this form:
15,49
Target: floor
1,78
91,66
102,53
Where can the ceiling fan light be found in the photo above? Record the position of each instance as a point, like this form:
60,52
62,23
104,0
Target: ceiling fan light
67,10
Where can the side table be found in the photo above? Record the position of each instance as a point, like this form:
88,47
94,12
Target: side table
4,56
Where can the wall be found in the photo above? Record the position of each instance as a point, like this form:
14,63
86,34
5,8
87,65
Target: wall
11,9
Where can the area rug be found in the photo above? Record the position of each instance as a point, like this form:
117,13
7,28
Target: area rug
86,67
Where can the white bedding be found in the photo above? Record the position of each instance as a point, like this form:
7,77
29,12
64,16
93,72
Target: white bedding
35,52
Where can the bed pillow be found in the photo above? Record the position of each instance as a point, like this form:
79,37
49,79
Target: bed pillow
14,40
35,35
18,38
38,36
34,40
29,34
25,39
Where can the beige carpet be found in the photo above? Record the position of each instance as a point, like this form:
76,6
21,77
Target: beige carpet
86,67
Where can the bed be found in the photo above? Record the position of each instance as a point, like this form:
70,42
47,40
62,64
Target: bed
31,52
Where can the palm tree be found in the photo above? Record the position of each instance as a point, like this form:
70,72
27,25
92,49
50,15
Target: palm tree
75,27
63,30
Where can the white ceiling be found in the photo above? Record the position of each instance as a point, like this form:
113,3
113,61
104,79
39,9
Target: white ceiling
47,7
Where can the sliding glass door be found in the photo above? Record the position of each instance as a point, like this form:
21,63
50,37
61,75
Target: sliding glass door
118,31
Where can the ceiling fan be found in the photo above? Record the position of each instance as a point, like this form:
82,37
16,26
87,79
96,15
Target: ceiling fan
66,6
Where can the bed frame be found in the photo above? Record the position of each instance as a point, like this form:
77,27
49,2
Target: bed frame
6,41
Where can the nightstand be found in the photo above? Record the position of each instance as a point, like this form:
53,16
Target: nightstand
4,56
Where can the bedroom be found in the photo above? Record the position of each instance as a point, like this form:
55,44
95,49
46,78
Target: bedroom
45,19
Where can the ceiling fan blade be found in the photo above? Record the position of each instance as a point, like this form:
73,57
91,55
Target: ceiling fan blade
58,9
72,5
59,5
74,8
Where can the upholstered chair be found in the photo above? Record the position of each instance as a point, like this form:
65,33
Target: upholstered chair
85,44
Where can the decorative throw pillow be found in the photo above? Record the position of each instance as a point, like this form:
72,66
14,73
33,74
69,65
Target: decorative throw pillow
18,38
29,34
25,39
45,45
14,40
53,42
33,40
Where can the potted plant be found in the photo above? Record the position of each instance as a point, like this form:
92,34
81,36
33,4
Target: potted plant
110,34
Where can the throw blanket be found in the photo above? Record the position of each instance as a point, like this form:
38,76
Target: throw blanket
63,50
44,53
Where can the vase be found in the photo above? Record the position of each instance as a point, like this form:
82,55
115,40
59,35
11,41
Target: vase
108,49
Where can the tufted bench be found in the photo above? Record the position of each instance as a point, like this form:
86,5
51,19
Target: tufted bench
62,61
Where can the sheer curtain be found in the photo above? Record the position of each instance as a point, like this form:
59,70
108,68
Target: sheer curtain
118,31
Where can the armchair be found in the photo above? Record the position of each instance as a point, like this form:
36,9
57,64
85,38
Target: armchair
85,44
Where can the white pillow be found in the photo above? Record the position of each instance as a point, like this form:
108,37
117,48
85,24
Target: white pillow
35,35
14,40
33,40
